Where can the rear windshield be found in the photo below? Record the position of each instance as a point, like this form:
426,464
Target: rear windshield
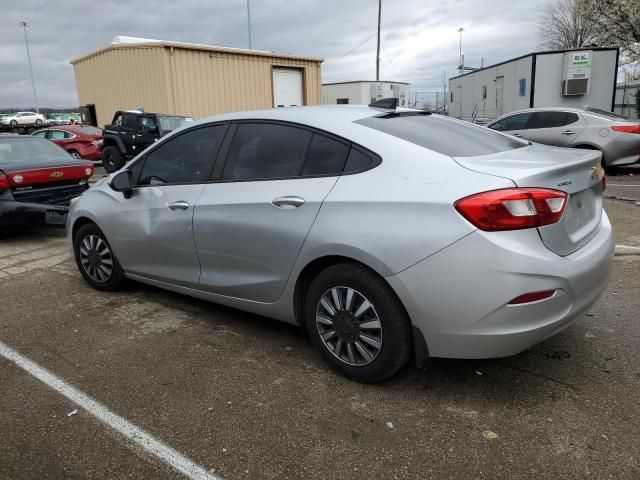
30,149
87,130
442,135
172,123
605,113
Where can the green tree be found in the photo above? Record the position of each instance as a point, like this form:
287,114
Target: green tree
616,23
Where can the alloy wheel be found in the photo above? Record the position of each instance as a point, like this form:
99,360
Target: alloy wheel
96,258
76,155
349,326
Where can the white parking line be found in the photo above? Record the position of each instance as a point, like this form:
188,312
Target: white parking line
627,250
148,442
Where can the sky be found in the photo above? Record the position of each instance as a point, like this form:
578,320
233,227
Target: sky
419,37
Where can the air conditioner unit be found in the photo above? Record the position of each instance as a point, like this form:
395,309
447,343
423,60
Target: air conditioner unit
576,86
576,72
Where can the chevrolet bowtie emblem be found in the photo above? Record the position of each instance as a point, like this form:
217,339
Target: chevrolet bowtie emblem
56,174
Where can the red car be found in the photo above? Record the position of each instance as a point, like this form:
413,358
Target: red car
81,141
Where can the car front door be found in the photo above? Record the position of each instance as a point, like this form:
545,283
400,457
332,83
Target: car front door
515,124
555,128
251,222
129,131
147,132
152,231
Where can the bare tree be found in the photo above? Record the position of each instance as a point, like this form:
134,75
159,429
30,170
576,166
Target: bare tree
617,23
567,24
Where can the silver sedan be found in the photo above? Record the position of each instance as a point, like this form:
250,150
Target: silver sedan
392,235
615,136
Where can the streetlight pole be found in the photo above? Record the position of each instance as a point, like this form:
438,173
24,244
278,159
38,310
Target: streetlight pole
378,51
24,25
461,67
249,21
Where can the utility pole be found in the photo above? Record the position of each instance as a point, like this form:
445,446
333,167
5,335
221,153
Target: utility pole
378,51
444,84
24,25
249,22
461,66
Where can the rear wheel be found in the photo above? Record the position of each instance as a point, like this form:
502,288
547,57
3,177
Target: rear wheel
38,121
112,159
357,323
95,259
75,154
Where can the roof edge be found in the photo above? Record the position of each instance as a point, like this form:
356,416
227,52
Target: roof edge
193,46
365,81
531,54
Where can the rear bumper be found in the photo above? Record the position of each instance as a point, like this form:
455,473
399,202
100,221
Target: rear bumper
458,298
623,150
31,214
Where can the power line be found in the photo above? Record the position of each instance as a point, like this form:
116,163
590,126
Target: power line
354,48
389,60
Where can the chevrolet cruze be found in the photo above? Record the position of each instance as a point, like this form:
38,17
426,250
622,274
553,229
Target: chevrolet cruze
390,234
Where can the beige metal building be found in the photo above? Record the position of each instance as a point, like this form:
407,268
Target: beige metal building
190,79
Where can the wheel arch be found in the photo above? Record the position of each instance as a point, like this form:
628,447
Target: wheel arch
420,353
114,141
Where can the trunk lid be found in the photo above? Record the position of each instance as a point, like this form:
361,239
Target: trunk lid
575,172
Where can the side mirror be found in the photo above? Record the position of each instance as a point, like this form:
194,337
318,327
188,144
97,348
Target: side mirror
123,182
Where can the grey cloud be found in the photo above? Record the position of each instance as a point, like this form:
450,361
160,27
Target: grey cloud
419,37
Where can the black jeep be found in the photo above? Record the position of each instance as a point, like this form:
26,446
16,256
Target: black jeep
132,131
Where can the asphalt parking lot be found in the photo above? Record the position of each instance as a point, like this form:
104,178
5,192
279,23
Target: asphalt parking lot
242,396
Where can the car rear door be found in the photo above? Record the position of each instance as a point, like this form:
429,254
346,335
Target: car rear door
555,127
152,231
251,222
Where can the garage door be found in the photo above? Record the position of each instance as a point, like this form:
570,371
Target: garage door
287,87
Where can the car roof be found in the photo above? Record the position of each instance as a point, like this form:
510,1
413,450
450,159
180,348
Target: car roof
315,115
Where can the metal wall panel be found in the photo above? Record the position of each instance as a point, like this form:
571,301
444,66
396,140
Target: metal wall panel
185,81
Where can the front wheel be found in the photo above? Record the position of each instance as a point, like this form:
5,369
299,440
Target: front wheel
112,159
95,259
38,121
357,323
13,123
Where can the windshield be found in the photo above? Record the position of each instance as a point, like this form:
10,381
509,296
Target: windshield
443,135
171,123
30,149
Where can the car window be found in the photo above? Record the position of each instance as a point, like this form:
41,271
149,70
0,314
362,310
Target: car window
325,156
117,120
148,124
517,122
548,119
571,118
56,135
41,134
442,134
264,150
357,160
130,121
186,158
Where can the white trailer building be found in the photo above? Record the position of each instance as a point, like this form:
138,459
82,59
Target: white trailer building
364,92
571,78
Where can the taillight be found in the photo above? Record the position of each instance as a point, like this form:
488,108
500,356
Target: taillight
4,183
513,208
627,128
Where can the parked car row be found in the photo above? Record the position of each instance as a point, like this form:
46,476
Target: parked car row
80,141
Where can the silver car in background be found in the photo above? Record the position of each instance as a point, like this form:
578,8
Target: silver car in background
390,234
617,137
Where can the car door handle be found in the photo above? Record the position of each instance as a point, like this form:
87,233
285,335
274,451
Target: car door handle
179,205
568,132
288,202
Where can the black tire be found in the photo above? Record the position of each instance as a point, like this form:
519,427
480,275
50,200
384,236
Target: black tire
38,121
395,335
116,279
112,159
75,154
13,123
